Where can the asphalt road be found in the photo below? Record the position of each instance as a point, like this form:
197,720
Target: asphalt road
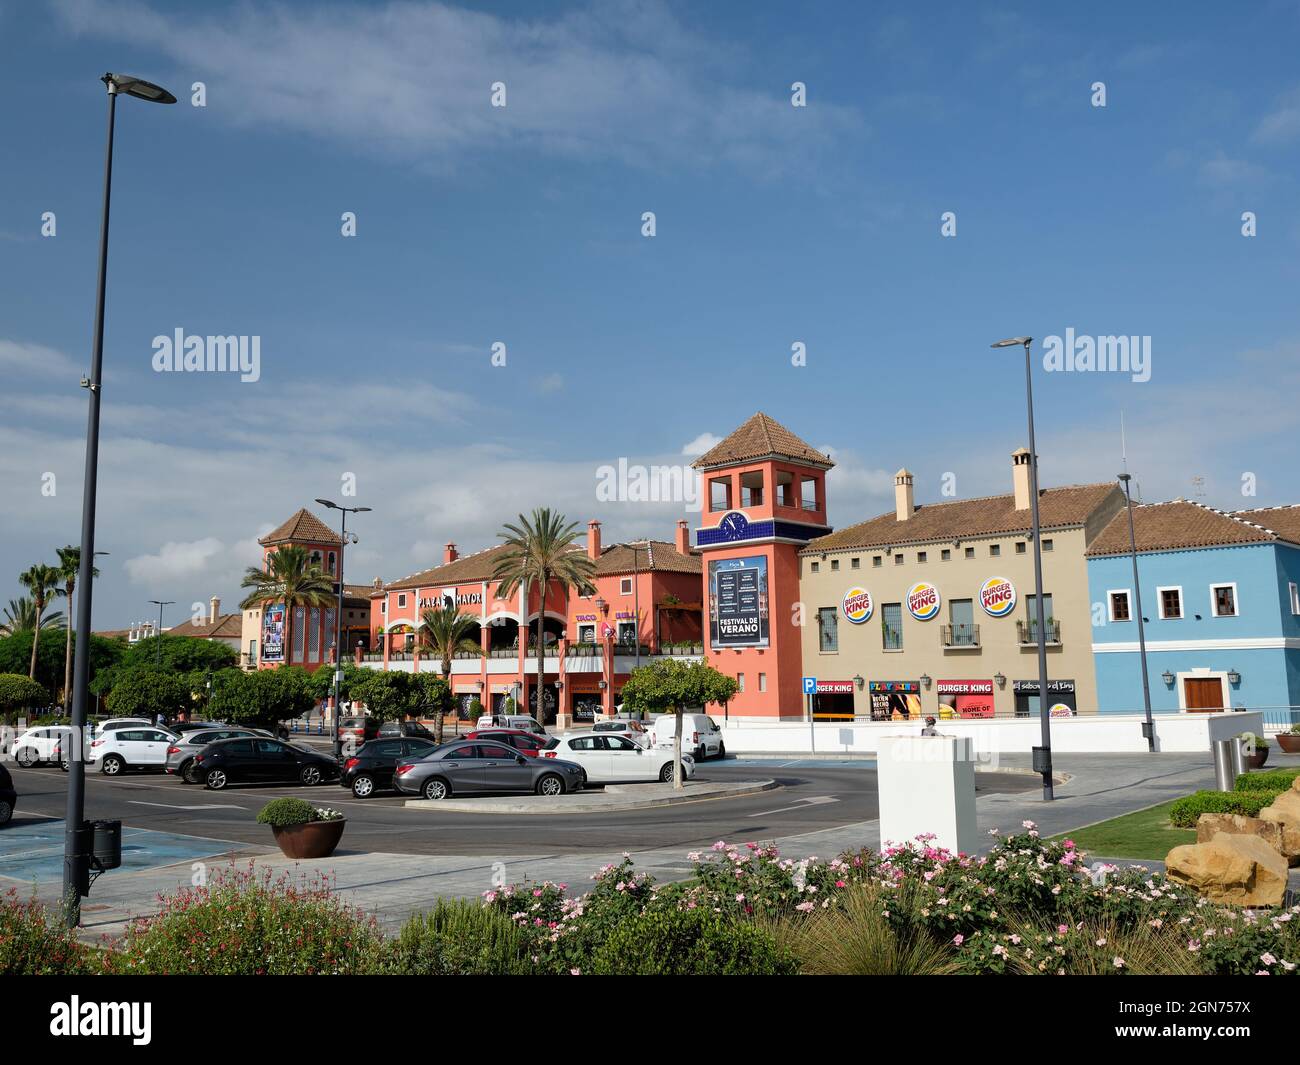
811,797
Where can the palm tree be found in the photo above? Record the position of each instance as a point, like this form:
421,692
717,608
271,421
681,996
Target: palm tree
70,569
290,578
540,550
20,616
43,582
446,632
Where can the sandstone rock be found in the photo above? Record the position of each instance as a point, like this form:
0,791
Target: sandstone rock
1237,870
1283,838
1285,812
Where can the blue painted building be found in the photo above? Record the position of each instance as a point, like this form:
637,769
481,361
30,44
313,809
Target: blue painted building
1220,598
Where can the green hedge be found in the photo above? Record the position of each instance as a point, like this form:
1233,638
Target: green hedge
698,942
1275,780
1185,812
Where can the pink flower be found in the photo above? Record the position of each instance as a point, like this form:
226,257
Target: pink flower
958,940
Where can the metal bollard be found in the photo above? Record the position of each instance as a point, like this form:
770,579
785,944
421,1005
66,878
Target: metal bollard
1224,779
1238,758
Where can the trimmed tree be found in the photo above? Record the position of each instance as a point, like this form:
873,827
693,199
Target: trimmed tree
672,686
434,697
19,693
262,699
389,696
147,692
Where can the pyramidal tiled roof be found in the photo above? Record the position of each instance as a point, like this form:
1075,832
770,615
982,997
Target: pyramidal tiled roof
1182,524
302,526
758,438
962,518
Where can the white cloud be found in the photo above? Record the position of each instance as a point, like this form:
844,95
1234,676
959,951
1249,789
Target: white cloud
174,561
1282,124
35,360
701,444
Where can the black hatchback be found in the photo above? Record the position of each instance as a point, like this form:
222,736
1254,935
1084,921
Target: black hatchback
260,761
371,768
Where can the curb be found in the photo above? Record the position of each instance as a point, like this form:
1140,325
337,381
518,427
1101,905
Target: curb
466,806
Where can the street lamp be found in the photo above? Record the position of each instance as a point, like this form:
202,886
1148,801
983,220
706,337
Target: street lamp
338,619
76,834
1043,754
160,603
1148,727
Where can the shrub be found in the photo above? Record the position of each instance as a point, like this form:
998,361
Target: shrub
476,710
1033,948
33,942
244,923
1234,942
1185,812
665,941
284,813
1275,780
460,938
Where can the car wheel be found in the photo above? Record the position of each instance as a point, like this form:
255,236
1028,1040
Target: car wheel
6,811
112,765
666,773
64,765
26,758
363,787
722,751
215,780
310,775
550,785
436,789
183,771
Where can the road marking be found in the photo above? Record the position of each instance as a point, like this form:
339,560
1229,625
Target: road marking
174,806
818,800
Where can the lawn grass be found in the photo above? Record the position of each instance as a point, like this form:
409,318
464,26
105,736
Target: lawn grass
1144,834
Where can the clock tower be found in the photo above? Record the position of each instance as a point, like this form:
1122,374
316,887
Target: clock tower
764,498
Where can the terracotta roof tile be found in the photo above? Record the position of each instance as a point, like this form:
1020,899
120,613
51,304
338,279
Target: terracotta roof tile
302,527
1284,520
652,556
759,437
1182,524
464,570
226,626
987,516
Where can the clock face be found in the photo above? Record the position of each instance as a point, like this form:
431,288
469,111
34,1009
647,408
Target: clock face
733,526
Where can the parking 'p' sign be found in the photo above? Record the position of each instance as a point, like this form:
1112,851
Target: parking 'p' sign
810,685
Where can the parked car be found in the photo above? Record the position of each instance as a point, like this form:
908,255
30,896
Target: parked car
121,749
371,768
180,754
613,759
520,722
404,728
111,723
359,729
261,761
8,796
701,737
41,746
183,727
526,743
632,730
463,768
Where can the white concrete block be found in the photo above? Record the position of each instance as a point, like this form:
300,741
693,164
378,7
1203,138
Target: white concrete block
927,787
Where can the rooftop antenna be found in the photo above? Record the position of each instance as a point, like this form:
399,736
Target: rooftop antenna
1123,442
1198,483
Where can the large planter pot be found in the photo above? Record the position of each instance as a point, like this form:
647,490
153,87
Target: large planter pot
315,839
1289,742
1257,760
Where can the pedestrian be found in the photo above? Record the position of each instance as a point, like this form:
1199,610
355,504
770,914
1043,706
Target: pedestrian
929,729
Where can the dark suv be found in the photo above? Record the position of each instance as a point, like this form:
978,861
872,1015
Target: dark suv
371,768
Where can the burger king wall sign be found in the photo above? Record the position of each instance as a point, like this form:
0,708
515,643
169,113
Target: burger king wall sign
858,605
998,597
923,601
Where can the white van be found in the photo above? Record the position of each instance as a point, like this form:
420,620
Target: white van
520,722
701,737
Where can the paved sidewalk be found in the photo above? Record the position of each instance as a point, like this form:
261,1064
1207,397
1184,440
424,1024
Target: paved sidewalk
392,886
609,799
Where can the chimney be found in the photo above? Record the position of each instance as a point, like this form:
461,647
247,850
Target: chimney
1020,477
449,554
683,541
904,506
214,608
593,539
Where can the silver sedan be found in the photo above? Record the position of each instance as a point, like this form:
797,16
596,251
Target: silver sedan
483,768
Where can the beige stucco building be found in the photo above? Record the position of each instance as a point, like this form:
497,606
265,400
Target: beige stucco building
929,609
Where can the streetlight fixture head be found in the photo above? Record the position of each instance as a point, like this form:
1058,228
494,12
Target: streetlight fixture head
1124,478
327,503
138,87
361,510
1012,342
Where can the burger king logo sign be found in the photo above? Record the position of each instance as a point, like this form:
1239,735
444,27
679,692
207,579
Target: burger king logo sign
998,597
923,601
858,605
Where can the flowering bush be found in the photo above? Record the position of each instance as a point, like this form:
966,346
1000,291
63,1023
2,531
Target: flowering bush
247,923
34,943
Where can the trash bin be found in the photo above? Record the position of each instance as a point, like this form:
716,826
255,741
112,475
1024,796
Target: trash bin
106,850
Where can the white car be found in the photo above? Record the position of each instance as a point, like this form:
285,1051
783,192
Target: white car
701,737
631,730
119,722
612,759
144,747
41,746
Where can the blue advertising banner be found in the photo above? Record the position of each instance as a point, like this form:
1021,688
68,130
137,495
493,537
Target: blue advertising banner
738,614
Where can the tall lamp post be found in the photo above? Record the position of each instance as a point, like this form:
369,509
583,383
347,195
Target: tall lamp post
1148,727
338,617
1043,754
160,603
76,834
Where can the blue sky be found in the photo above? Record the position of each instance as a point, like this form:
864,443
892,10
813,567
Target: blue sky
522,224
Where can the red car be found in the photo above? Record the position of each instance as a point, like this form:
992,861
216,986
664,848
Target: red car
528,743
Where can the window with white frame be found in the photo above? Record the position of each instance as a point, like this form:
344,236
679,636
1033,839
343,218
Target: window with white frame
625,586
1171,602
1223,600
1295,598
401,601
1118,601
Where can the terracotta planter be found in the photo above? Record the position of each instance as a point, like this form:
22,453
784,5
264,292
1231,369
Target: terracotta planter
1289,742
1257,760
315,839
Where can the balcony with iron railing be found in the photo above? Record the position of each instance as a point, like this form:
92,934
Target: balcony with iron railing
960,637
1027,631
